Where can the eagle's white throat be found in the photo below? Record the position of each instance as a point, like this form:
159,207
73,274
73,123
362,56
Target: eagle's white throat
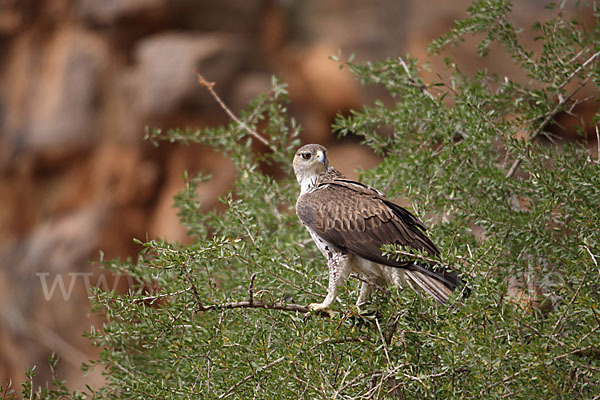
307,182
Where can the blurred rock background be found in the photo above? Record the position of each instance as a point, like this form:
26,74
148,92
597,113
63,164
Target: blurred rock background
81,79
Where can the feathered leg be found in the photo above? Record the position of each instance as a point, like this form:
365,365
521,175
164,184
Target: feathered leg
339,269
365,292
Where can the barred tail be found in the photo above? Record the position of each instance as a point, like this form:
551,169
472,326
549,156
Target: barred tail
437,284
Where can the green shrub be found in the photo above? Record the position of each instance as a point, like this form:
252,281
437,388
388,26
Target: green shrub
215,324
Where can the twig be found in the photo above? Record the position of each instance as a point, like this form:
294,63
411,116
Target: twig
237,384
413,256
597,145
481,113
191,282
152,299
414,378
562,316
383,342
210,87
513,168
359,377
6,389
504,380
552,113
374,284
414,81
360,339
251,289
591,255
278,277
31,387
389,335
582,66
309,372
582,351
286,266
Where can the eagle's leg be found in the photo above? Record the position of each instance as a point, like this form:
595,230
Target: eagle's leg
365,292
339,269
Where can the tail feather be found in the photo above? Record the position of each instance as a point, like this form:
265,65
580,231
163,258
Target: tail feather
437,284
429,285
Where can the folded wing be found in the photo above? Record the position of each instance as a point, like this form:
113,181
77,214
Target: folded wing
359,219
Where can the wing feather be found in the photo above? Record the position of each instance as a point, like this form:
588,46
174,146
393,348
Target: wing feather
357,218
348,209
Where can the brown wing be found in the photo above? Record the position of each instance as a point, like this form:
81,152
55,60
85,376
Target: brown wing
357,218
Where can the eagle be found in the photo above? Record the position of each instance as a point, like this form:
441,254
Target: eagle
350,222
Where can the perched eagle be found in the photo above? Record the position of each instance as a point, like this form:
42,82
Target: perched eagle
350,222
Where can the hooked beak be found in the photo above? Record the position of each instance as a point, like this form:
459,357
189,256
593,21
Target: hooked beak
321,157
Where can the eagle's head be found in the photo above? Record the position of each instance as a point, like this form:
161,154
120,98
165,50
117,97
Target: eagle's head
310,162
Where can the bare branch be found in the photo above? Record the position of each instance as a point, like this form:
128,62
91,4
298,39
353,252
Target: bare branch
210,87
257,304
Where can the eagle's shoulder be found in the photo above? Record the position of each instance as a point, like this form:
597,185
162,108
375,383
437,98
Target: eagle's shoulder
313,205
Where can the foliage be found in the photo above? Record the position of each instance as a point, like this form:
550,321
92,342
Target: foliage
474,156
55,389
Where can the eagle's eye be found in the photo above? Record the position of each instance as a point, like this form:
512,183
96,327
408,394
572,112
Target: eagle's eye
306,156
